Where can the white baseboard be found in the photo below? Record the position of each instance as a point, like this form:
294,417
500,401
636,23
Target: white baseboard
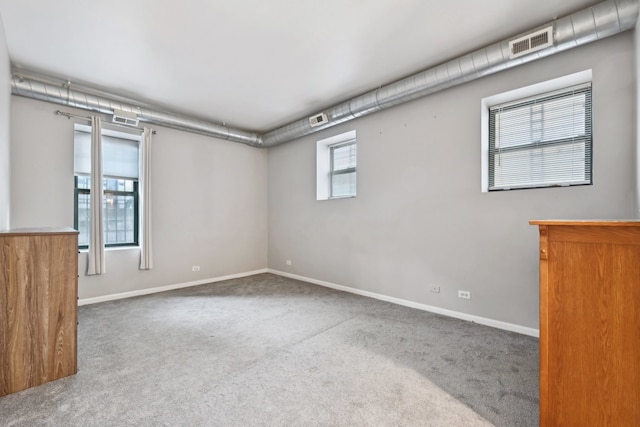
95,300
456,314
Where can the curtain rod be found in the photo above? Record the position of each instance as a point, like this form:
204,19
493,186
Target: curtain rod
77,116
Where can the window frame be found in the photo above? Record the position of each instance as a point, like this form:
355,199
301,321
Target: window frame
521,95
324,165
105,192
333,172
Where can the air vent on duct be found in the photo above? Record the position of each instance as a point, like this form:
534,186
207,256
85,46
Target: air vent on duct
318,120
125,118
531,42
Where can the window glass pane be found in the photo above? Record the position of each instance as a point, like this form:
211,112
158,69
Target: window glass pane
84,182
119,216
114,184
120,219
84,201
344,156
343,185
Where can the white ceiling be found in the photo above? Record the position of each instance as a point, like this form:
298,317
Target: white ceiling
255,64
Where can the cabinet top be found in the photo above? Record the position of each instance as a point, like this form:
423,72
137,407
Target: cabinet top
38,230
588,222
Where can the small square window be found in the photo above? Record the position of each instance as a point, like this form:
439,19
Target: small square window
541,140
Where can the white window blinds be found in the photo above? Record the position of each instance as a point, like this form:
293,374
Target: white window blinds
343,169
119,156
541,141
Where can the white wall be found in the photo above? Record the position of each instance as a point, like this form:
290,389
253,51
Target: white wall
208,196
5,102
636,41
420,219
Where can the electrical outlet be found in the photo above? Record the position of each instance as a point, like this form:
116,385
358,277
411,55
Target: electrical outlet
464,294
195,268
288,262
435,289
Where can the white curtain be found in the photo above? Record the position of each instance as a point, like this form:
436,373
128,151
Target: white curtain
96,263
146,253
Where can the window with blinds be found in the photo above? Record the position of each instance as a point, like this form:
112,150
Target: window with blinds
336,166
343,169
541,141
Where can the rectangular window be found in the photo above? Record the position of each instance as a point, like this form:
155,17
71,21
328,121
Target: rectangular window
336,159
541,141
343,169
120,154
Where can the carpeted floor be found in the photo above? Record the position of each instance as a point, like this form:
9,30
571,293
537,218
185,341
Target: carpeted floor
271,351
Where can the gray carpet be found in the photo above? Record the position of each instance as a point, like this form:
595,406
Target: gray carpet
271,351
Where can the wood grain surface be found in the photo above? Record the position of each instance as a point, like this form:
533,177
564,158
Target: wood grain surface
589,325
38,308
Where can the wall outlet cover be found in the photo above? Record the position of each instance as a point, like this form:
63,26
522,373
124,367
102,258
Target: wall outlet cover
464,294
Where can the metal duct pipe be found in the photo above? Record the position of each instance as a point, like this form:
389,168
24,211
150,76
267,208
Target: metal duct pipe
594,23
44,89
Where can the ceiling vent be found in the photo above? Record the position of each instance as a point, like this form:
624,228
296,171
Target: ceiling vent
531,42
125,118
318,120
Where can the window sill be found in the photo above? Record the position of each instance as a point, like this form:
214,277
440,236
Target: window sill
341,197
118,248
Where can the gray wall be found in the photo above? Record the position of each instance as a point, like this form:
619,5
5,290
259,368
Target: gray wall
5,101
208,196
636,41
420,219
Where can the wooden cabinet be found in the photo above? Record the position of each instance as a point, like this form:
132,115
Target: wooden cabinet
589,323
38,307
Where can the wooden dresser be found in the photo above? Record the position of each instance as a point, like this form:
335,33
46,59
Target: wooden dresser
589,323
38,306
